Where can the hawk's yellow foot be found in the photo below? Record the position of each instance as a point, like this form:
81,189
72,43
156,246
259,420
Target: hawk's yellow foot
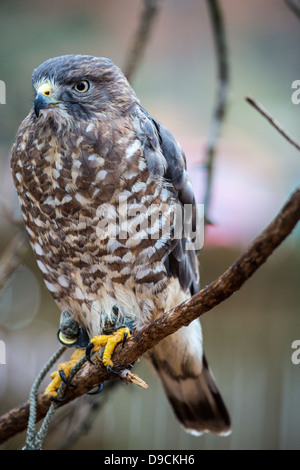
63,370
110,342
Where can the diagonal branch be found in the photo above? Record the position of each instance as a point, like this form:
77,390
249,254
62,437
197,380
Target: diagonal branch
294,6
229,282
272,121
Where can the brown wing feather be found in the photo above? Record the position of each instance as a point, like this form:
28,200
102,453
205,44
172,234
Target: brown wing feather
166,158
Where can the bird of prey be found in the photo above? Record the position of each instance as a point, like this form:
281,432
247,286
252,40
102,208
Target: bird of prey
91,167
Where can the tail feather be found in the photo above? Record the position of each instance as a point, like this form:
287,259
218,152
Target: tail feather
190,386
197,403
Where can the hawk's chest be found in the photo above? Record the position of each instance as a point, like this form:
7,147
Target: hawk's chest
65,181
62,177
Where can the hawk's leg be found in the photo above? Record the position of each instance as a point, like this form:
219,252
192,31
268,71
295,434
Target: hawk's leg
109,342
62,373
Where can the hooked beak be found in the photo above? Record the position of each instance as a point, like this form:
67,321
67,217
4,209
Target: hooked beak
43,98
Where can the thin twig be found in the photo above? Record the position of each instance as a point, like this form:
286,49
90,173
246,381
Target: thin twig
272,121
141,341
14,217
221,99
294,6
12,256
136,51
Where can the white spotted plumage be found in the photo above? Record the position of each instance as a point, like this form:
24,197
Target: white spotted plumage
85,156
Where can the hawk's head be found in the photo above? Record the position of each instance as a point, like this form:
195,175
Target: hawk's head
81,85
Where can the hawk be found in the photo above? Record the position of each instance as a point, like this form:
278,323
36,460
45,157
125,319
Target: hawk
86,145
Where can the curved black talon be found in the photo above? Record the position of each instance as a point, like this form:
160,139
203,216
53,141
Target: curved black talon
130,325
88,351
110,369
64,379
57,400
99,389
125,336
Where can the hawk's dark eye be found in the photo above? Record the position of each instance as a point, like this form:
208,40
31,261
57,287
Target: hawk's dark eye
82,86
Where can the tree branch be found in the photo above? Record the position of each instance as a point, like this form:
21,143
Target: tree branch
149,13
221,95
141,341
272,121
294,6
12,257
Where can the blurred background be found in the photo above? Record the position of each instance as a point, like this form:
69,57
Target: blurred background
248,338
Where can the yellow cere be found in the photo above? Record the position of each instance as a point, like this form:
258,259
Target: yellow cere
45,89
